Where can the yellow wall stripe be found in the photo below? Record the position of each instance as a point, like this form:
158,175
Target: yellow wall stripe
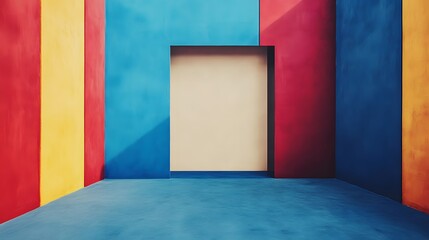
62,98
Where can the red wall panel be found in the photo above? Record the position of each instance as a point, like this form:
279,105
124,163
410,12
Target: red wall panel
94,90
303,33
19,106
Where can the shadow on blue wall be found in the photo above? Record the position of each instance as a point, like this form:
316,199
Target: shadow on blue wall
138,39
139,160
369,95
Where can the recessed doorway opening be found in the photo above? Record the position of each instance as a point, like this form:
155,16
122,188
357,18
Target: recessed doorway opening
221,109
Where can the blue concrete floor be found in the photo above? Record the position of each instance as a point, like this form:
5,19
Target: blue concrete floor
240,208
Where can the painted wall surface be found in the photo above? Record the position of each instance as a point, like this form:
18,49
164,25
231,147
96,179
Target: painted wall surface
218,109
303,33
19,106
62,96
368,98
415,108
94,90
138,39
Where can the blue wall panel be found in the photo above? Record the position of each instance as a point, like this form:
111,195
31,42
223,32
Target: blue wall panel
368,98
138,39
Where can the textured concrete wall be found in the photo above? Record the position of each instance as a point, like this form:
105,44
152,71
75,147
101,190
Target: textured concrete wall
303,33
62,98
19,106
138,39
415,108
368,95
94,90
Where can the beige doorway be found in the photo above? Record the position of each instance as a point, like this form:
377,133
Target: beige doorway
218,112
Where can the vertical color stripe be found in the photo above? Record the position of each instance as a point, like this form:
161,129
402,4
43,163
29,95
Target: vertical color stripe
368,97
303,33
94,90
62,115
416,104
19,106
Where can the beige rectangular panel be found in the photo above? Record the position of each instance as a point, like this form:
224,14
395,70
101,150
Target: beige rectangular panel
218,109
